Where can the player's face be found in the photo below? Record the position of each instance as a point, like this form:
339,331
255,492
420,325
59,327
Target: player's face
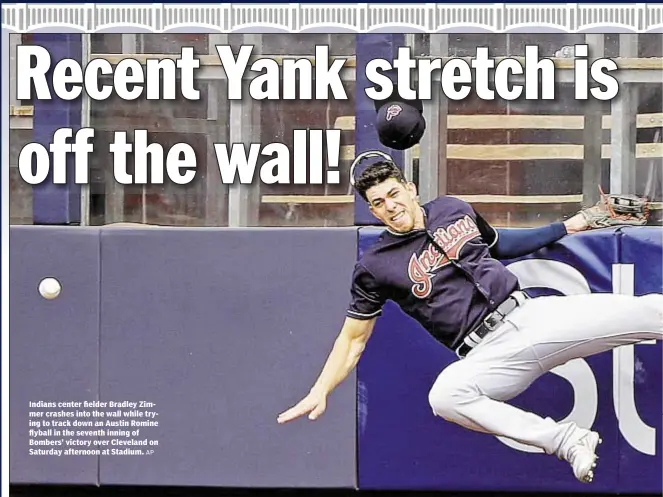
395,204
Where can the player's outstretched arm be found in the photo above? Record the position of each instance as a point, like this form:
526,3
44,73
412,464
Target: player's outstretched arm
345,354
510,243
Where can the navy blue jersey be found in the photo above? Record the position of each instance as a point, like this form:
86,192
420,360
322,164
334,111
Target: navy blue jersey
443,276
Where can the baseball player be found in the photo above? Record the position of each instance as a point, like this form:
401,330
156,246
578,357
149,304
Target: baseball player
439,263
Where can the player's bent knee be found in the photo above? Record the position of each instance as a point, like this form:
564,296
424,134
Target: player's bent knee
447,397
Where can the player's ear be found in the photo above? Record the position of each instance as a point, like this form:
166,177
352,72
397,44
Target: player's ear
412,188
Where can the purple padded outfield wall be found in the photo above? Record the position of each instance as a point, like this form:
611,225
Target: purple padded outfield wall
220,329
54,345
639,388
57,204
403,446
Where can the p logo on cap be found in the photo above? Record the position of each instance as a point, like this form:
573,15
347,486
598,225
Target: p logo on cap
392,111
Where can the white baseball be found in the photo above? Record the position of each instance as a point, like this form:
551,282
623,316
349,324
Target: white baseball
49,288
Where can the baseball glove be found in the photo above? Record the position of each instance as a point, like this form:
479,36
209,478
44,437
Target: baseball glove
616,209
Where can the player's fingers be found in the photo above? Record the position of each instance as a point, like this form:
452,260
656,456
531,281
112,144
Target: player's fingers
294,412
317,412
288,415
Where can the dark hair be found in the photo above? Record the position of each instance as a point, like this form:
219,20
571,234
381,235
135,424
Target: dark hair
377,173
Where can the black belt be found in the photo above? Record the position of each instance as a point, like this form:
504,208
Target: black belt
490,323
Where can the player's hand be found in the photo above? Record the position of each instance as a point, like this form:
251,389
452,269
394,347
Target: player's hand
576,224
314,404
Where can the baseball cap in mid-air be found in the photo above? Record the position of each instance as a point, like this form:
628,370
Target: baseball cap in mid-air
400,122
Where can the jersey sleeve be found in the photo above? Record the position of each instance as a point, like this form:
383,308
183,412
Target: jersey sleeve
515,243
488,232
366,297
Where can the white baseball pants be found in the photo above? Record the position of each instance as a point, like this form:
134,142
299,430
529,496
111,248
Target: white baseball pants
544,333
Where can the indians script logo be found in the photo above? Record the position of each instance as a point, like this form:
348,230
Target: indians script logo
393,111
452,240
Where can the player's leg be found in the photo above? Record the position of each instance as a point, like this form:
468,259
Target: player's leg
541,335
544,333
472,393
559,329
